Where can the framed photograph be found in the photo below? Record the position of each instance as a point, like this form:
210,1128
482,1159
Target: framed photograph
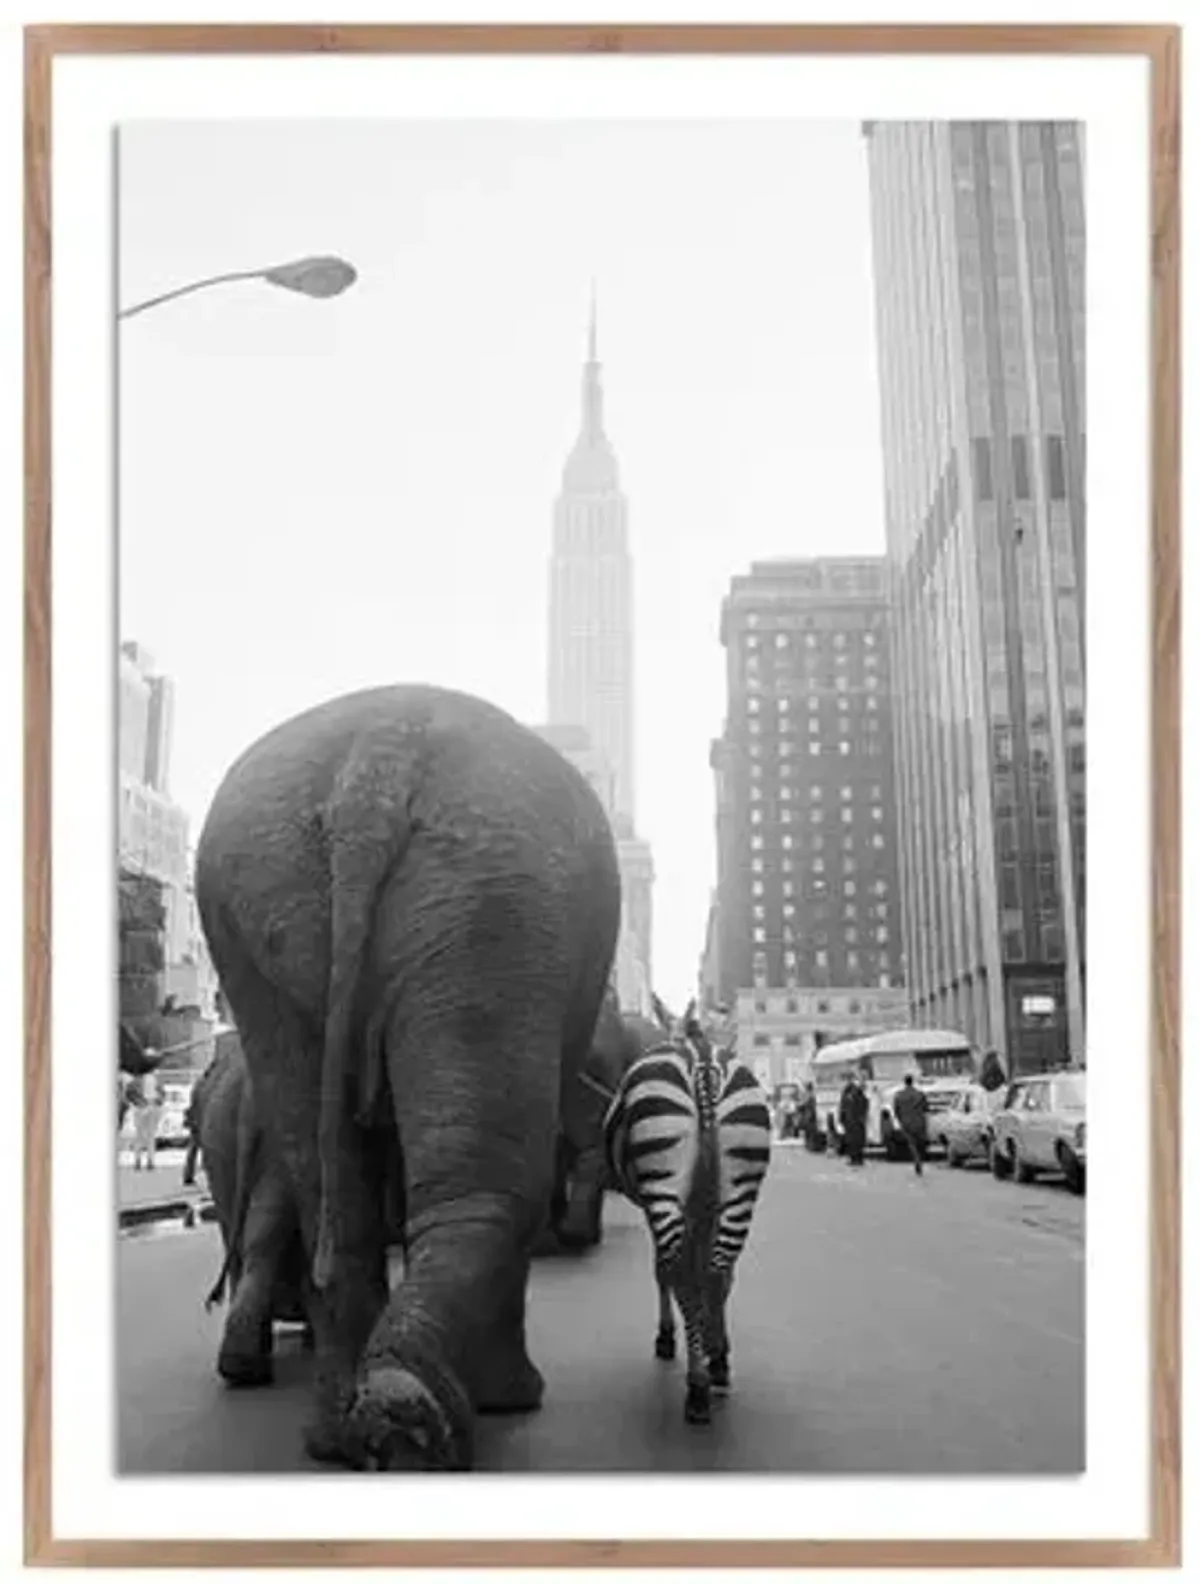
602,620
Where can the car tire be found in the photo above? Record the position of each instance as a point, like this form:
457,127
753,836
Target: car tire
1001,1163
953,1158
1073,1171
1024,1173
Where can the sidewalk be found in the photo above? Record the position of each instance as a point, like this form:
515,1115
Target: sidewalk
164,1182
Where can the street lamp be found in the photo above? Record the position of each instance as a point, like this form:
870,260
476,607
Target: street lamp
313,277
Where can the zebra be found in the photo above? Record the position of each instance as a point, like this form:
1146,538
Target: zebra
687,1138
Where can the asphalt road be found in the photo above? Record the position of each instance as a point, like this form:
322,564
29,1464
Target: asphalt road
879,1323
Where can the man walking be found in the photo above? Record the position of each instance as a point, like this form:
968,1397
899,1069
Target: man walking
852,1115
911,1108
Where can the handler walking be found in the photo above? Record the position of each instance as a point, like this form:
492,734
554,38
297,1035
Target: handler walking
911,1108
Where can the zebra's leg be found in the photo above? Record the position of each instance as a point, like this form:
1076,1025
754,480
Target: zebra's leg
664,1341
717,1340
697,1408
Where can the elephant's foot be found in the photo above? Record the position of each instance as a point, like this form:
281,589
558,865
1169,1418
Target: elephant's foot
245,1369
399,1423
245,1356
718,1371
509,1385
664,1345
546,1244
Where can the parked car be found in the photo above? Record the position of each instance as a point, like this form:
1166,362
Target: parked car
1042,1127
964,1129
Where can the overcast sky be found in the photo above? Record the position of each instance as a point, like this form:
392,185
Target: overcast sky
322,496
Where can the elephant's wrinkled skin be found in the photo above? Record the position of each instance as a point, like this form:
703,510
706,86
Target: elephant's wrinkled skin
576,1212
265,1265
412,903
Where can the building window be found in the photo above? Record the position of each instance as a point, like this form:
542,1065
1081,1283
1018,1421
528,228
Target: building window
761,1039
756,816
1056,467
1020,463
881,934
787,842
788,888
876,813
818,866
876,841
849,889
847,816
847,793
752,706
760,935
760,913
756,864
981,452
757,888
851,937
814,749
821,958
843,748
851,959
789,910
756,843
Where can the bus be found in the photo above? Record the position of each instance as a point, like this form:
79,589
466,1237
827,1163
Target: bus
941,1063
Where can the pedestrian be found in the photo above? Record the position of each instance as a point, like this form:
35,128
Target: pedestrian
910,1108
147,1114
991,1072
852,1115
808,1118
191,1123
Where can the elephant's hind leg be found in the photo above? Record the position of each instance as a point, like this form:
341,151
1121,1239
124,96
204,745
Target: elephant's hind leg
478,1126
246,1347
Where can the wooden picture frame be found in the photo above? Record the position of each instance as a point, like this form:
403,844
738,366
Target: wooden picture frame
1160,45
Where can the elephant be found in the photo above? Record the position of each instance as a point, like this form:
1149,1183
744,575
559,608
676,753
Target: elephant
412,904
575,1220
264,1270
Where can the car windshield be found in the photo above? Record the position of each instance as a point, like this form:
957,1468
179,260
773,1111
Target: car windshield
1069,1093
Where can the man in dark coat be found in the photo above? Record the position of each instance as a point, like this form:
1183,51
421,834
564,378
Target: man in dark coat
911,1108
991,1072
852,1117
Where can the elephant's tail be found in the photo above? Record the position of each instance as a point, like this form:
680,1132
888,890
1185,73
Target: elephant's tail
247,1155
362,854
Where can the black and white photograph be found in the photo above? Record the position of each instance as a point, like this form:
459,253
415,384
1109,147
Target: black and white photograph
601,901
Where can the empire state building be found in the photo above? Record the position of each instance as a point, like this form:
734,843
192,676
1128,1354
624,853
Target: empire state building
591,599
591,663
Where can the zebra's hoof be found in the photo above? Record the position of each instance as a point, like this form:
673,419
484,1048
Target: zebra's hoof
697,1408
718,1374
664,1345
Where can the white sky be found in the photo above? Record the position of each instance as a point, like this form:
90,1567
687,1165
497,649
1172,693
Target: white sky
322,496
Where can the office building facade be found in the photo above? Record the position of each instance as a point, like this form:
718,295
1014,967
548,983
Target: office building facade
807,894
978,235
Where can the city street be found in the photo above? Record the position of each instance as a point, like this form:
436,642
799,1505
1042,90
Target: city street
880,1323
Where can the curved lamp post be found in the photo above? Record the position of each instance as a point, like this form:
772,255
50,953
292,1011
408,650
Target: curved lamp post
312,277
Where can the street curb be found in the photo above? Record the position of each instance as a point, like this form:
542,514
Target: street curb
188,1208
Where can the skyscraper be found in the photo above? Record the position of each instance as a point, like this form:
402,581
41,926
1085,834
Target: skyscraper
591,597
807,893
591,662
978,232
